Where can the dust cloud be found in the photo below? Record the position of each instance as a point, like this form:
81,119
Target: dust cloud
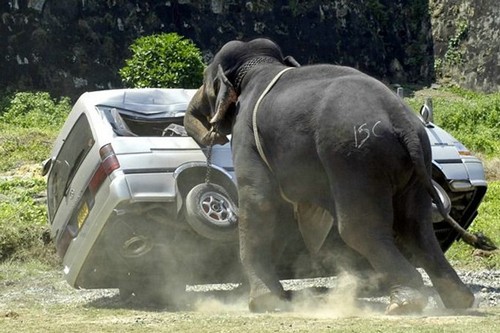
213,305
339,301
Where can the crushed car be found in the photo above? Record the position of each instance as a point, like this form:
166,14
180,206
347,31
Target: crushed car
136,204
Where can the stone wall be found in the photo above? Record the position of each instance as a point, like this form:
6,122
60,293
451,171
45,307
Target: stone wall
467,42
71,46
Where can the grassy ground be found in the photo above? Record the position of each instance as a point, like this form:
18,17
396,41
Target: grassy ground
78,319
488,222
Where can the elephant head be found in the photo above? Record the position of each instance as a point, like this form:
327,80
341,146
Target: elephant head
211,112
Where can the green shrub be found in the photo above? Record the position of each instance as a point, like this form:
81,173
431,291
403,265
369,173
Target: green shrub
163,61
36,110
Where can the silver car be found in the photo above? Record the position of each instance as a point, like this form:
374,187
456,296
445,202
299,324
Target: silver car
136,204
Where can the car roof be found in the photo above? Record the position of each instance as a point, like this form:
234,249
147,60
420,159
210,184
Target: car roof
146,102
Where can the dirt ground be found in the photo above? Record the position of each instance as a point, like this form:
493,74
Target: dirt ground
35,300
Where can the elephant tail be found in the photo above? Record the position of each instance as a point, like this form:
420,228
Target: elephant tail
413,144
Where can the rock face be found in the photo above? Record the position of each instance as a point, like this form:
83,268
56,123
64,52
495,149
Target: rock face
467,42
67,47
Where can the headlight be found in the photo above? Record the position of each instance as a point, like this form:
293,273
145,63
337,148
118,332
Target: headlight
460,185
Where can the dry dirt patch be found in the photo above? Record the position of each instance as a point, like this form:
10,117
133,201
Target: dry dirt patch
40,301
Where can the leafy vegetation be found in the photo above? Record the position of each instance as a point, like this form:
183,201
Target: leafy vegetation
163,61
29,123
36,110
454,53
472,118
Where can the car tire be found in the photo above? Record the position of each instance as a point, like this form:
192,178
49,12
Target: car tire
212,213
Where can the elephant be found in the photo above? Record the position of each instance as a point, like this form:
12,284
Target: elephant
331,147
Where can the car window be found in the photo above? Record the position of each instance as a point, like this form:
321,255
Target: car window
64,167
135,123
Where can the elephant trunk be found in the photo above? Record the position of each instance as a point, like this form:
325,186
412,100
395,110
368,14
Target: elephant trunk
197,124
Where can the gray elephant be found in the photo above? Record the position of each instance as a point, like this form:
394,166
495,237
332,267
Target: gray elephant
339,150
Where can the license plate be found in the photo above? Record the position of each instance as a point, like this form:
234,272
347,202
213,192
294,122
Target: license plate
82,215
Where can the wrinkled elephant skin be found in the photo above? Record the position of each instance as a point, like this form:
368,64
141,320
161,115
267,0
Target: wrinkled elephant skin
333,139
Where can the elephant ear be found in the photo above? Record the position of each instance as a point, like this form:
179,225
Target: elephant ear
225,97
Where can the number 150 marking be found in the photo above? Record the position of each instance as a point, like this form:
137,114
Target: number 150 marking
363,132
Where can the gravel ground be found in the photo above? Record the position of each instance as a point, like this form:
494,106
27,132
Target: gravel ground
49,289
485,285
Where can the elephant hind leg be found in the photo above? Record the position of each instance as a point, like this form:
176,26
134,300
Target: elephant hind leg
417,235
365,222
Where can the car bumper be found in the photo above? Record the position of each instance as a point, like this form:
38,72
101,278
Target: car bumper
123,190
465,184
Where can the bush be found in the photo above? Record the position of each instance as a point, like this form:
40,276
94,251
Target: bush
163,61
36,110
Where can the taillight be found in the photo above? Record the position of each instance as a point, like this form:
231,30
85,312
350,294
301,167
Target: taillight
109,163
108,158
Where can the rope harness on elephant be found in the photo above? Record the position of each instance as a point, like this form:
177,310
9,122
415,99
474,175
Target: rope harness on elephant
303,212
243,70
256,132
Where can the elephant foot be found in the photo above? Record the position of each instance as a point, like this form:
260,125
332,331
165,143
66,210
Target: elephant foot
405,300
269,302
455,296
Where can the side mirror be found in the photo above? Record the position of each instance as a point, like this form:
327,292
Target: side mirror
46,165
400,92
426,111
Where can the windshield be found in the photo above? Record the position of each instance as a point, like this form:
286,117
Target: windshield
64,167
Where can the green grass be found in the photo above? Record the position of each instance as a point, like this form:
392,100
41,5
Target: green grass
23,146
29,123
472,118
488,222
23,219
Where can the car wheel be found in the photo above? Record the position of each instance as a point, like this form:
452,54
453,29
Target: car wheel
212,213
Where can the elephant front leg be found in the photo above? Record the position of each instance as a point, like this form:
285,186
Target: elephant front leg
257,225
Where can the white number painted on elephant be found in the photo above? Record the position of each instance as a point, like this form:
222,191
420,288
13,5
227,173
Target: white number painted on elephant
363,132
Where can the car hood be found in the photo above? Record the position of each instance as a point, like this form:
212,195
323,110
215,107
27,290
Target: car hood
444,145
